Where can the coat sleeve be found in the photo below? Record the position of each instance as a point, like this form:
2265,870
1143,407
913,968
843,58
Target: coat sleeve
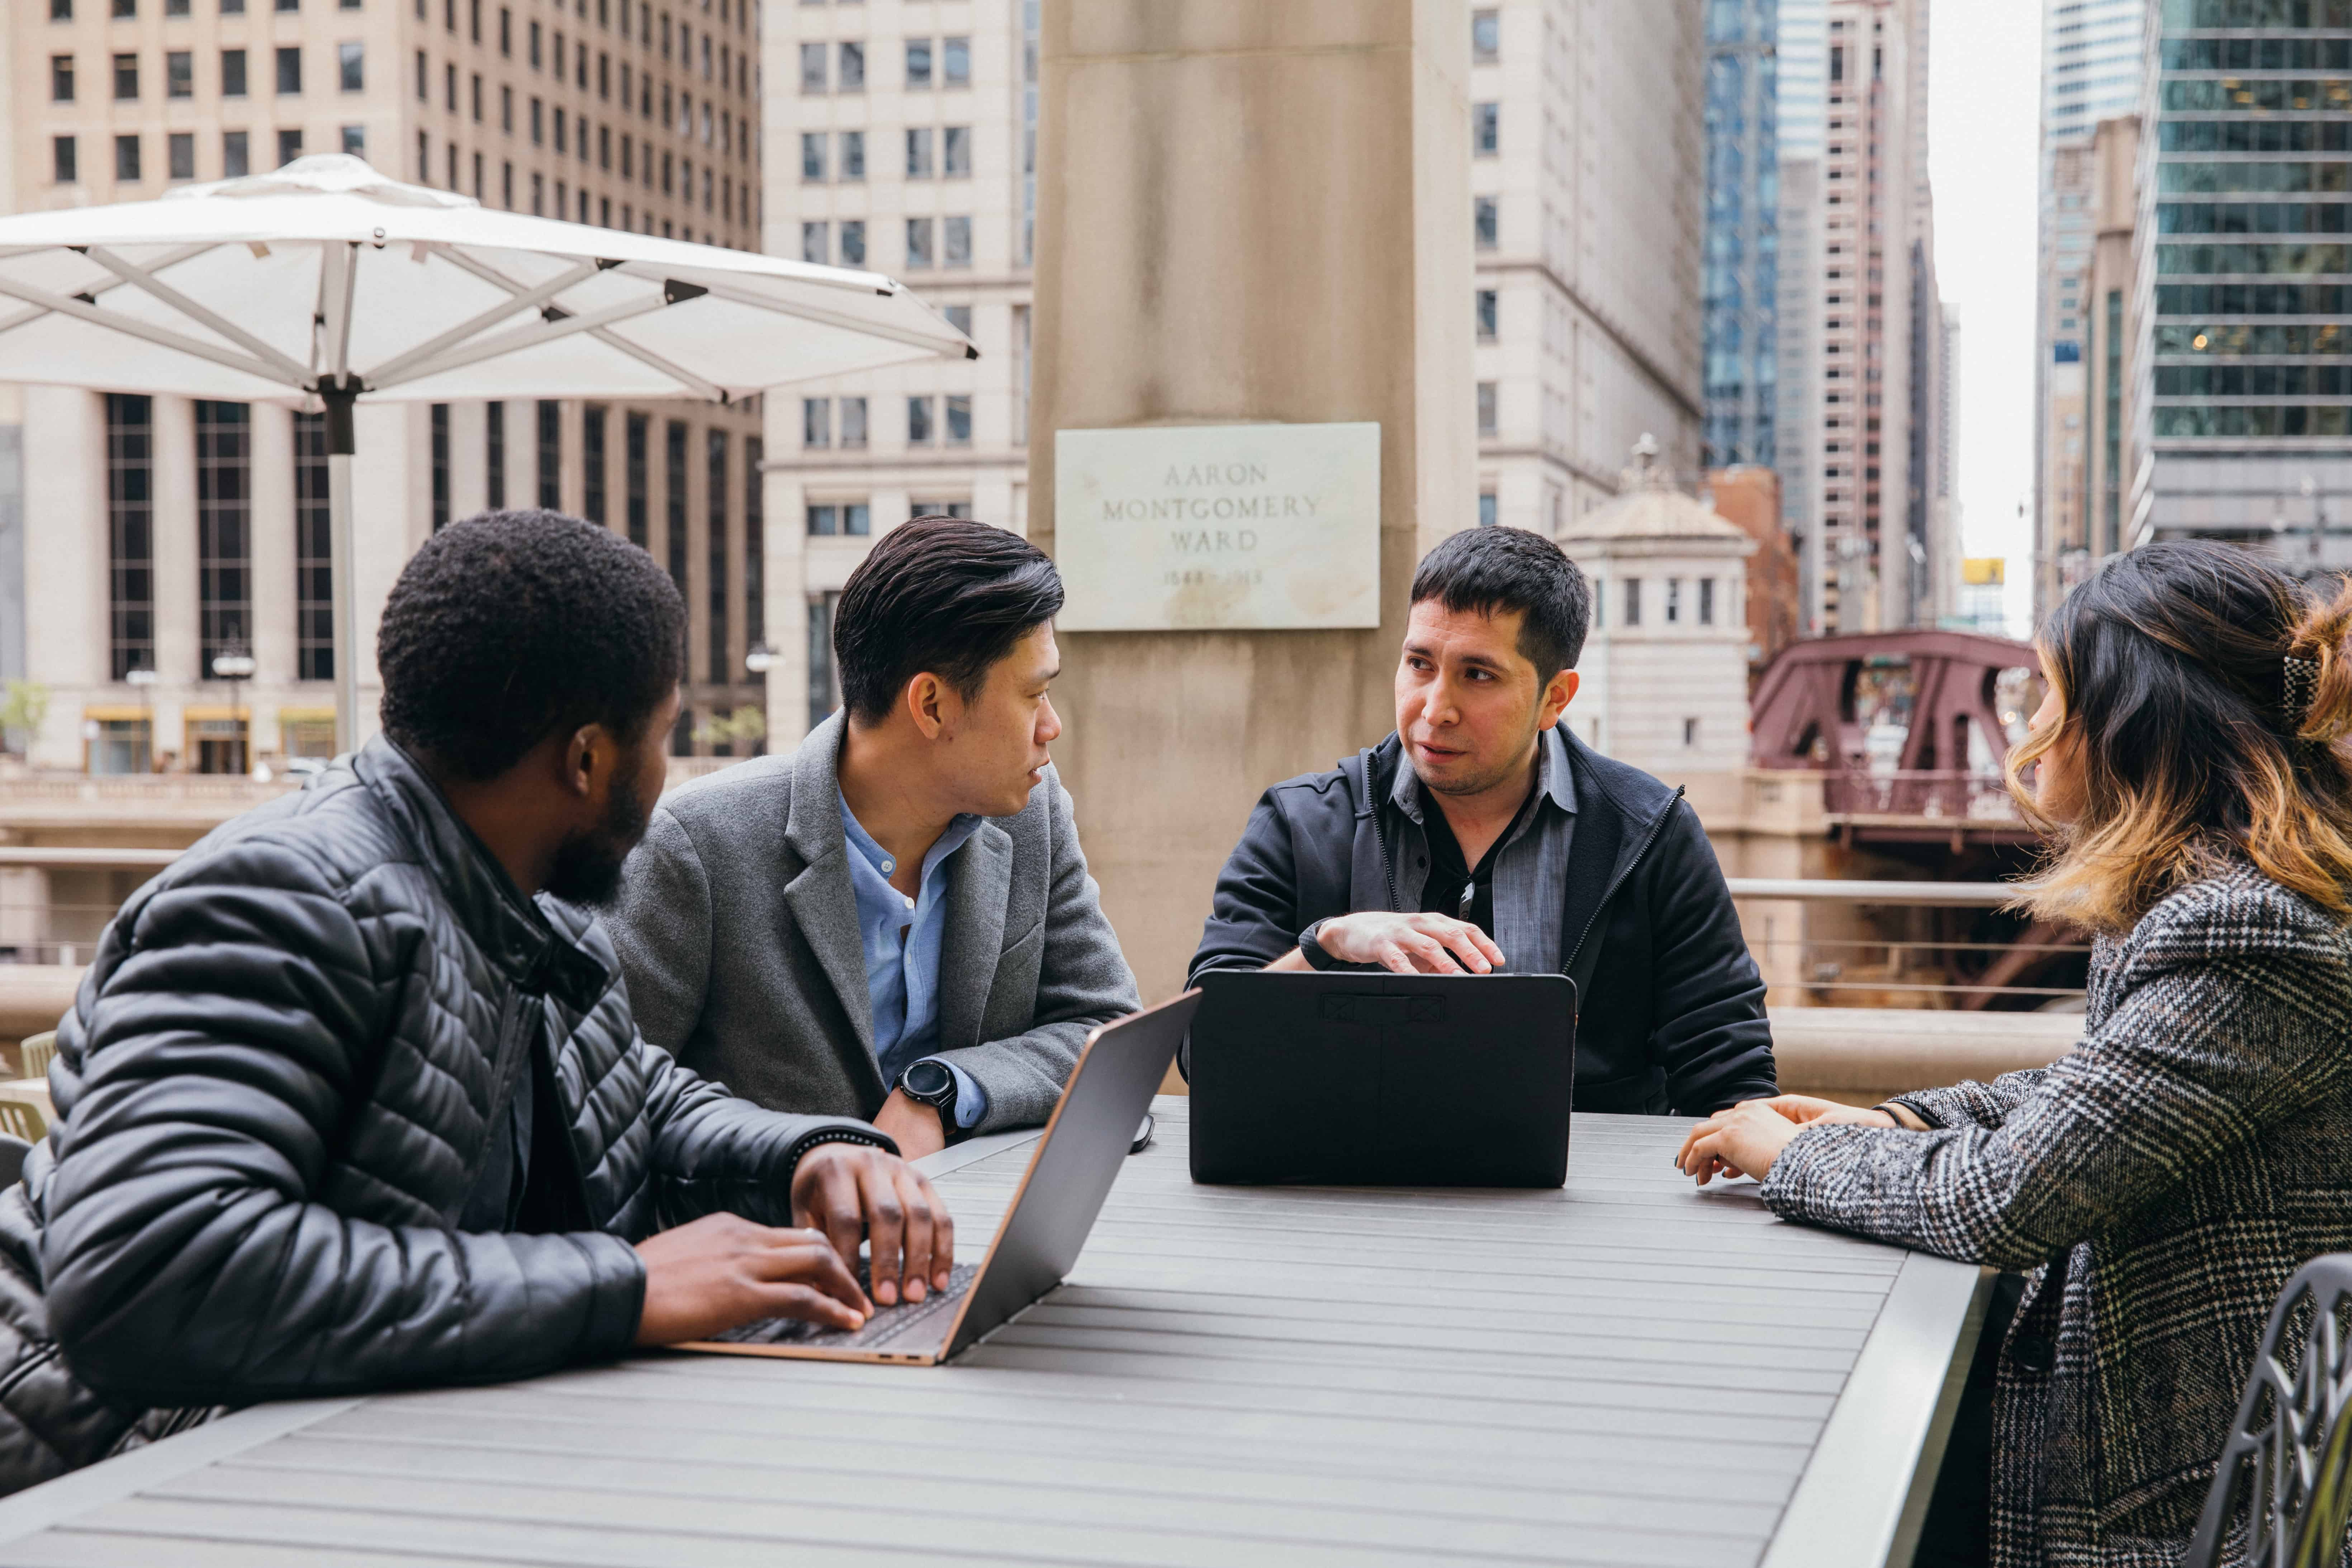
1710,1033
1974,1104
204,1084
661,930
2198,1058
1082,982
1254,914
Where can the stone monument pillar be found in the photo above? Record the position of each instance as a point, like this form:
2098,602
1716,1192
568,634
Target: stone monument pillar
1248,215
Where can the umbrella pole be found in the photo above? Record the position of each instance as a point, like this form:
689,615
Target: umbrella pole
342,563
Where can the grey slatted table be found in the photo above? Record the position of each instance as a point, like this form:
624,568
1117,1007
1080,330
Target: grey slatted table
1626,1372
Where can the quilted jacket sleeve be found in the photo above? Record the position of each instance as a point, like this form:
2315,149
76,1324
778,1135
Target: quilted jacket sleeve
2208,1044
1711,1034
224,1034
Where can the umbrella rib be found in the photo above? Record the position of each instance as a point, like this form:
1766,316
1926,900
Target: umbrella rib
140,279
523,299
131,327
491,275
710,390
519,341
833,318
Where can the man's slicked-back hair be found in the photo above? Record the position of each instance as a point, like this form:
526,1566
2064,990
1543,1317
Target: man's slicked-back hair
945,594
1489,570
511,625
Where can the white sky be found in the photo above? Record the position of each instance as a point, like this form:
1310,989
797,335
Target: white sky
1984,132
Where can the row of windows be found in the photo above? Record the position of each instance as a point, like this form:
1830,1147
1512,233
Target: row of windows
854,518
2254,380
2336,420
2266,93
2257,53
2254,340
2253,217
2294,259
724,65
2184,14
128,10
2252,298
953,144
2254,136
931,242
1632,593
841,68
724,130
829,422
179,154
180,73
636,160
566,197
2221,179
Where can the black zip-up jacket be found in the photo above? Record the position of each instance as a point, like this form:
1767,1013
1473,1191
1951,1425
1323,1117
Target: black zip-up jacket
1671,1016
276,1090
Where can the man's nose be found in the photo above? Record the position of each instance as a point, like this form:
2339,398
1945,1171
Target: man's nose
1049,725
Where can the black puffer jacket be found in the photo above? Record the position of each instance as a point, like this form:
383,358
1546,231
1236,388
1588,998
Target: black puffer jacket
275,1090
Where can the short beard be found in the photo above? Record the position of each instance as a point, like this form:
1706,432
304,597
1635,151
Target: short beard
587,869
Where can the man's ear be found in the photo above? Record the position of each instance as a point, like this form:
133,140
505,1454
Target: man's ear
930,703
1556,696
588,759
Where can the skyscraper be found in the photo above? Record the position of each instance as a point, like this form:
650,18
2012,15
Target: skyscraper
2243,374
1800,83
2091,53
1742,233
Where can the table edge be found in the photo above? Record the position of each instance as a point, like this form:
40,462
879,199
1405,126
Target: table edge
1865,1490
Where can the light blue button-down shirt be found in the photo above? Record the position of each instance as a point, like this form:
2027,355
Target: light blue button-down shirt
902,937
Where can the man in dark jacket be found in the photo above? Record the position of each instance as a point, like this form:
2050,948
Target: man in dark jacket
1482,836
351,1095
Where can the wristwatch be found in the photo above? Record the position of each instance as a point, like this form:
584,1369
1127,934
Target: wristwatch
929,1082
1312,951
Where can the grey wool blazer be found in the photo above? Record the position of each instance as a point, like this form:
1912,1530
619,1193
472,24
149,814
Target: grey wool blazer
736,929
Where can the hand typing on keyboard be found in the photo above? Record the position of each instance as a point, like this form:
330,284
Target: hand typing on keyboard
912,1325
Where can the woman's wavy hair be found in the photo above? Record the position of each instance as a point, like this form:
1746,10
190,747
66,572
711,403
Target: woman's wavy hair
2196,736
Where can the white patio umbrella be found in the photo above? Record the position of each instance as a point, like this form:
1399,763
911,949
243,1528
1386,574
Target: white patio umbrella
327,283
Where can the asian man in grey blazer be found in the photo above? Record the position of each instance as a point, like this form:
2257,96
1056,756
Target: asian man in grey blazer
895,921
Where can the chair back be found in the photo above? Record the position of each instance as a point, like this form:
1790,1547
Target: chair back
22,1120
2283,1495
36,1052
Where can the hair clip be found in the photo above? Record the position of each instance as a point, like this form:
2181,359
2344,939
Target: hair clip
2297,688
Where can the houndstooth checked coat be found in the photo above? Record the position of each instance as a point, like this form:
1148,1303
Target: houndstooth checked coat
2159,1185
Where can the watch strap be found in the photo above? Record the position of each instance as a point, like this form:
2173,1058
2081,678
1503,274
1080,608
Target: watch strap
1312,951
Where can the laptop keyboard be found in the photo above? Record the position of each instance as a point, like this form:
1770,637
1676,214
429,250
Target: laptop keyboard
909,1325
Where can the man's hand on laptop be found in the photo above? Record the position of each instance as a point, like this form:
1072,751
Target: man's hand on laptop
722,1272
1410,944
851,1191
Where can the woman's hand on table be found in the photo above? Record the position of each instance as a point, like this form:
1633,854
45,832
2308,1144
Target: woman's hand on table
1746,1139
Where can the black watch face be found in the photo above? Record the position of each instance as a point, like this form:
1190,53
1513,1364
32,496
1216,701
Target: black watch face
925,1079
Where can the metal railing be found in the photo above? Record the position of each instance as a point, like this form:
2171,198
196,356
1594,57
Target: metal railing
1967,797
1953,969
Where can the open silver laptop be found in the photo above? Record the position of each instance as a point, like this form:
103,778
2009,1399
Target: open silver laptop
1070,1174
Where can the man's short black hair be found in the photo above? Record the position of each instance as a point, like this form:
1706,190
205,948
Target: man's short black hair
1485,571
509,626
945,594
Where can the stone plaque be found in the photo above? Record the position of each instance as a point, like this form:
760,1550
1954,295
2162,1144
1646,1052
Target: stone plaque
1218,526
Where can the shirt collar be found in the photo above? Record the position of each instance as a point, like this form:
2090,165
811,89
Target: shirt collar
863,844
1553,780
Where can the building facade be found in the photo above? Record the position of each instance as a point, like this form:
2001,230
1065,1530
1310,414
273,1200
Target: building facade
1742,265
1588,179
902,142
1801,122
165,533
2095,519
2091,54
2243,378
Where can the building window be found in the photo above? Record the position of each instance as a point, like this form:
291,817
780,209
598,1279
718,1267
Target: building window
224,530
591,462
721,667
919,64
1486,423
816,422
853,422
236,158
1486,36
232,73
289,72
179,74
852,74
853,154
120,747
440,467
1674,601
351,63
919,243
1632,601
822,698
551,454
494,455
179,154
126,159
955,152
65,165
959,418
1486,509
126,77
813,159
1707,600
1690,732
853,242
637,468
1487,221
131,532
1487,311
941,509
955,240
813,243
918,422
354,140
60,10
955,62
674,476
919,152
314,552
853,518
1485,130
755,546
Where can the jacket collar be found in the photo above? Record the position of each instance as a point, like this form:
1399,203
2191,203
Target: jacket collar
509,928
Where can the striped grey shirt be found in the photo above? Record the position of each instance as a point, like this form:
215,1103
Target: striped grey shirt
1530,869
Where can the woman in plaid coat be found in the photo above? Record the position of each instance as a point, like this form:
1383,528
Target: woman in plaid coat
2158,1186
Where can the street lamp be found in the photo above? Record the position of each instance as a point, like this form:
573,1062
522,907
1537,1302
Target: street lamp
233,665
143,679
759,658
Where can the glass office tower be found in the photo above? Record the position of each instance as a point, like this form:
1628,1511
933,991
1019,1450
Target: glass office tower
2245,244
1742,270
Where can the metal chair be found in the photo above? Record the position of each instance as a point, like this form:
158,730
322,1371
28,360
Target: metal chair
2283,1491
